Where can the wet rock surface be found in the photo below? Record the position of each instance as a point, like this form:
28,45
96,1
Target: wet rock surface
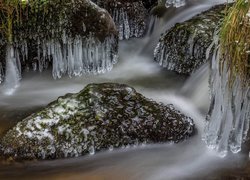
130,16
100,117
183,48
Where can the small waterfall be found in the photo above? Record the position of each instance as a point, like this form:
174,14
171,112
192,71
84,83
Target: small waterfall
154,24
13,70
229,115
197,86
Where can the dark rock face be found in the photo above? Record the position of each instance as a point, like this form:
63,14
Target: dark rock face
65,35
101,116
183,48
130,16
149,4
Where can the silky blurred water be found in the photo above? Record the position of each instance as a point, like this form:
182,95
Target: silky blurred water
188,159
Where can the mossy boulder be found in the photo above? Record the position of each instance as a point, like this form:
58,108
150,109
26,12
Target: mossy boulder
42,30
100,117
183,47
130,16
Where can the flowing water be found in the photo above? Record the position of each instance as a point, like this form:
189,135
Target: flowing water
189,159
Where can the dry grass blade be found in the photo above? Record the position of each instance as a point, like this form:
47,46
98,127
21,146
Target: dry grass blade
235,41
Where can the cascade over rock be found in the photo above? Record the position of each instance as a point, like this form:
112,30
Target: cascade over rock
75,37
100,117
183,47
130,16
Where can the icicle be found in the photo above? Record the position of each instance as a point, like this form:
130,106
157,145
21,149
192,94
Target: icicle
128,27
79,56
1,73
121,18
229,116
13,70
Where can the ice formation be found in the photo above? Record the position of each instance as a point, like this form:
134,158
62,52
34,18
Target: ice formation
129,17
78,56
13,70
128,27
67,40
229,115
175,3
69,56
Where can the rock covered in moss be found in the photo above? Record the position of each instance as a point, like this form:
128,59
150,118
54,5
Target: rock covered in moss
183,47
75,37
130,16
101,116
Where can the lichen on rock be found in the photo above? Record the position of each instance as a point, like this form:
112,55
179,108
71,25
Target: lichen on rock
100,117
183,47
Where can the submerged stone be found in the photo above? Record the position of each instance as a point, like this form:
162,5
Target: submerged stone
100,117
183,48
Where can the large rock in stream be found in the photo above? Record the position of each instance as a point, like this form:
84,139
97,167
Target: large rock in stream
100,117
75,37
183,48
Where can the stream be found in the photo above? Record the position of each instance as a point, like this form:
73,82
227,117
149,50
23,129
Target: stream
190,159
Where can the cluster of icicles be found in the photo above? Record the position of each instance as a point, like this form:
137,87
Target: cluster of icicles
126,26
228,120
166,58
175,3
73,57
